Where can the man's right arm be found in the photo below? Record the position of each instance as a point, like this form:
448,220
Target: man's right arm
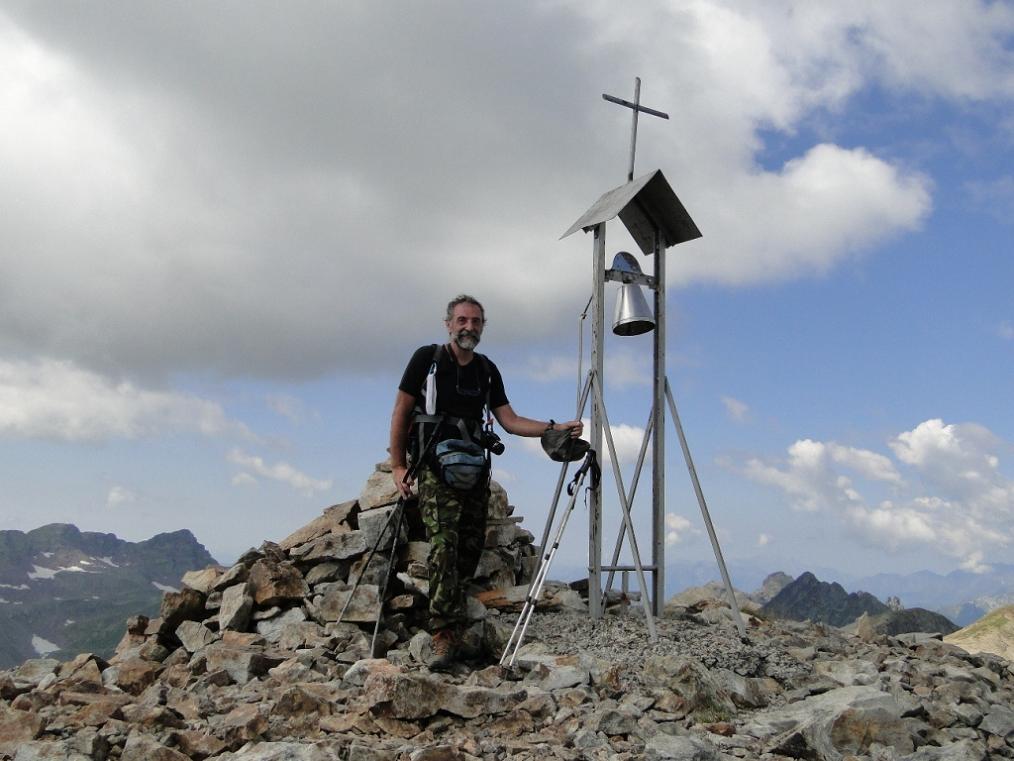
401,422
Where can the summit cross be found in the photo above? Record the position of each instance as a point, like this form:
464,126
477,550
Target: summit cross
636,107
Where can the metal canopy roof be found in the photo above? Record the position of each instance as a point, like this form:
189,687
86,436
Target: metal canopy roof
643,205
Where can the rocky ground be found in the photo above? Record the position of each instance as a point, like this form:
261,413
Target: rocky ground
251,663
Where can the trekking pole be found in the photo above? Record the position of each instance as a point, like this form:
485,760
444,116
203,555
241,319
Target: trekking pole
399,509
524,618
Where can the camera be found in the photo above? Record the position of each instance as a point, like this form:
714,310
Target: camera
489,440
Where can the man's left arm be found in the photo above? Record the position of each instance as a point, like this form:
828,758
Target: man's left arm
514,423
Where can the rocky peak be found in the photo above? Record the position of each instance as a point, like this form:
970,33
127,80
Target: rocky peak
250,663
771,586
809,599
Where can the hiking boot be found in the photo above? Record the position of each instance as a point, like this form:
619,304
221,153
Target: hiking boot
444,646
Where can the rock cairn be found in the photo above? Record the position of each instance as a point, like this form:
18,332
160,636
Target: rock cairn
250,664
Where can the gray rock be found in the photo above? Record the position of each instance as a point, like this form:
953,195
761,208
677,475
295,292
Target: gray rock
240,664
962,750
323,572
144,747
379,490
194,636
235,575
49,750
332,547
333,521
360,671
176,607
237,604
471,702
612,721
499,507
279,751
377,522
999,721
364,607
273,582
403,696
701,693
846,719
203,581
273,628
33,671
679,747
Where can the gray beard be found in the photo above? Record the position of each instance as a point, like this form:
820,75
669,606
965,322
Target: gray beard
466,340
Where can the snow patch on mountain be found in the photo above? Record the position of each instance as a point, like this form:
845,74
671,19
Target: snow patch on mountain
43,646
38,572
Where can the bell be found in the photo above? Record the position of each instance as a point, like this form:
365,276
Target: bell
633,317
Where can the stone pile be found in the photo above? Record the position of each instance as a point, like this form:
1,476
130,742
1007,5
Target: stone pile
249,664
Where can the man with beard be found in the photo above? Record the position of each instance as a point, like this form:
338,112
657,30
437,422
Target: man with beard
465,383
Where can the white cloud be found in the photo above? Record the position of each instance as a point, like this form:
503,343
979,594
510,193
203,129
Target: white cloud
735,409
280,471
866,463
551,369
677,528
959,461
974,564
502,476
288,406
961,505
54,399
626,438
763,540
163,219
622,368
120,495
243,479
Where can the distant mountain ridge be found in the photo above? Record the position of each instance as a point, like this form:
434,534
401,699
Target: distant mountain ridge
64,591
960,595
809,599
994,633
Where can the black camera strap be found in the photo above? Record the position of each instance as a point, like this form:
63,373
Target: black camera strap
590,465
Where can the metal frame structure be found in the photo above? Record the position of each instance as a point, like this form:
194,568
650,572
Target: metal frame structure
656,220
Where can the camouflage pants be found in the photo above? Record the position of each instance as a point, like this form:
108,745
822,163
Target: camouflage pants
456,530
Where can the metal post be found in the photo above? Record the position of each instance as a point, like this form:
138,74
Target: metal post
595,434
633,127
730,592
658,450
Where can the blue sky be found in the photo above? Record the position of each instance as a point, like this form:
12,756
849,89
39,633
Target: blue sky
226,230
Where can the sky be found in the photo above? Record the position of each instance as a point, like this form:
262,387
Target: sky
226,226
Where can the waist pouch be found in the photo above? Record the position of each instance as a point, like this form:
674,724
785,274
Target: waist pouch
460,464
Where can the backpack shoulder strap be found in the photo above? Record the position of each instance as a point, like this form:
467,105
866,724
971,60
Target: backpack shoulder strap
489,379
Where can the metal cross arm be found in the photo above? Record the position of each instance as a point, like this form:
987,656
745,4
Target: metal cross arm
636,106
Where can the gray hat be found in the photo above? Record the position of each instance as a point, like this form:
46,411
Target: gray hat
561,447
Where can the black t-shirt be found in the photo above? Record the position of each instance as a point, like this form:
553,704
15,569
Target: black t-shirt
461,391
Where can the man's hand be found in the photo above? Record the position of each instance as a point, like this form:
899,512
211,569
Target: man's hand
400,475
576,428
